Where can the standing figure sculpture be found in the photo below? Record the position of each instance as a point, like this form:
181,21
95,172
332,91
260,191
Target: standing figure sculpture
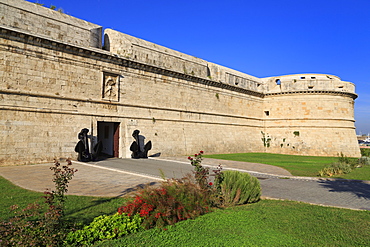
138,149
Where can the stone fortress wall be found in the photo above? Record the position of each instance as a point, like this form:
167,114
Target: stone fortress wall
56,78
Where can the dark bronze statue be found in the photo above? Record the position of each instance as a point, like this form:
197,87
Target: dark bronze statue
138,149
82,147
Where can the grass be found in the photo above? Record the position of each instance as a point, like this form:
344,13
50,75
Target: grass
308,166
362,173
266,223
79,209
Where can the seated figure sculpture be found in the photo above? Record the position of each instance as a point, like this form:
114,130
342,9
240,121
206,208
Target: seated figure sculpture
138,149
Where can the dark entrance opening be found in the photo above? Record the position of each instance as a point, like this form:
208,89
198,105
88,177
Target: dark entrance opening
108,134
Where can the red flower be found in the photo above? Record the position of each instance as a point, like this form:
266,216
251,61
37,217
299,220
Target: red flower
201,152
195,155
210,183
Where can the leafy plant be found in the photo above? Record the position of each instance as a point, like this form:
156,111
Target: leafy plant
365,152
344,166
364,161
201,173
336,168
105,227
344,159
265,139
29,226
239,188
173,201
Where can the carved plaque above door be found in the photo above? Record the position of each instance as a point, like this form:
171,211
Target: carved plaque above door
110,86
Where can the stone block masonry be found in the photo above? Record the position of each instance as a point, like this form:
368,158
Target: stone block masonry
59,79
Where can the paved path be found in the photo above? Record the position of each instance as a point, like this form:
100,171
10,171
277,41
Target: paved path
117,177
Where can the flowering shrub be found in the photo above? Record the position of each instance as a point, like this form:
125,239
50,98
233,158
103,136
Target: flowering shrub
56,198
229,188
105,227
202,177
201,173
29,227
171,202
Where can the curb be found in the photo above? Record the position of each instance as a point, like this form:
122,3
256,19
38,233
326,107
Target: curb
280,176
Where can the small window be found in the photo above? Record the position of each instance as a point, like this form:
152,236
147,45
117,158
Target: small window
313,77
302,77
310,87
236,81
278,82
267,113
340,87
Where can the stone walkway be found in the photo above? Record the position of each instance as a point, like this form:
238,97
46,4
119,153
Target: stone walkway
87,181
92,180
112,178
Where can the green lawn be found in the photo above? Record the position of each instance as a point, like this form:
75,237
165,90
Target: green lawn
308,166
79,209
266,223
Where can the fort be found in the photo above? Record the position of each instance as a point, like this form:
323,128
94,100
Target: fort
60,74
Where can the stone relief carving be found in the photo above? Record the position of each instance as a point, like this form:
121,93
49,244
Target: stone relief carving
110,87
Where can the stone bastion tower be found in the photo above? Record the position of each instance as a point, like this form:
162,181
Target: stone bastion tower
57,77
307,111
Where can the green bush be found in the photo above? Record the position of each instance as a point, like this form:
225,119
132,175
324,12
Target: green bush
239,188
31,226
336,168
364,161
105,227
365,152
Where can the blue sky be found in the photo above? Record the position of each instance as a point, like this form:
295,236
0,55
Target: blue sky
260,37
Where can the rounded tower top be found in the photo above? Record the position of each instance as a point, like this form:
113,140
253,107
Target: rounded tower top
308,83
